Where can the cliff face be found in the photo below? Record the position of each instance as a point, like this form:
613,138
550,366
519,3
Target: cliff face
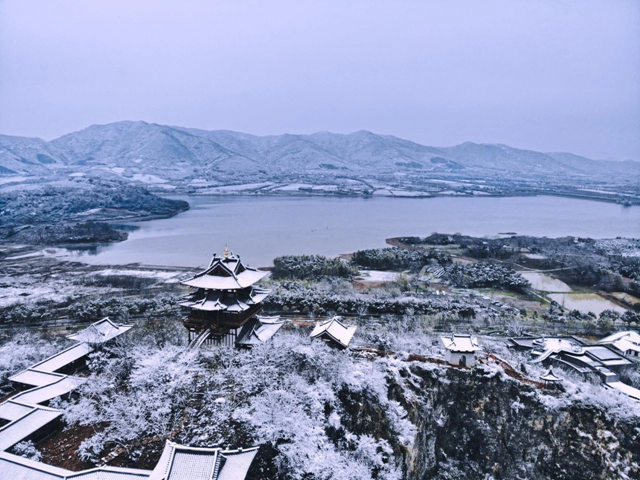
479,424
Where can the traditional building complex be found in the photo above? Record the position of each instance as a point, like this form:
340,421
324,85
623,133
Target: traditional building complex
224,300
589,360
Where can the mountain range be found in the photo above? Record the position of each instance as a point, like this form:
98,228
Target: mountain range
152,153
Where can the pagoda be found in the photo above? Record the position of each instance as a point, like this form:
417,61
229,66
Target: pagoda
224,300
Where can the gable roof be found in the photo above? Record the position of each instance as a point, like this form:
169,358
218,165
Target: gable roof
461,343
336,330
624,341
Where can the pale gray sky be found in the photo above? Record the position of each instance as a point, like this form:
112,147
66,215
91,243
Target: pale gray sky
547,75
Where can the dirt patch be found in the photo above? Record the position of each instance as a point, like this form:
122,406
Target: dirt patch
61,448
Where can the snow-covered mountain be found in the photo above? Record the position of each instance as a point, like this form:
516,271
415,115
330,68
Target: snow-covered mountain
178,154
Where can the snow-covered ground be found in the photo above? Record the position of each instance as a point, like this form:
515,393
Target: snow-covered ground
375,276
170,277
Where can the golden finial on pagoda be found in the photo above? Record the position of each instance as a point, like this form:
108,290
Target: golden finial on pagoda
226,251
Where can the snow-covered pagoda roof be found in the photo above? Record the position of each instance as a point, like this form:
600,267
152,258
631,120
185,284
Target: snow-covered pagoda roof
623,341
226,273
336,330
258,330
220,300
178,462
461,343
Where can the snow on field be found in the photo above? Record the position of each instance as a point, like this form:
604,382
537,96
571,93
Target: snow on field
109,272
26,288
117,170
235,188
377,276
292,187
148,178
91,211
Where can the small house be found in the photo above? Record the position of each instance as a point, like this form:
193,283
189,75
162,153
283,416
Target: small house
461,349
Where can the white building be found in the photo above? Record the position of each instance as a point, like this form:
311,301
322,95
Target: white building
627,343
461,349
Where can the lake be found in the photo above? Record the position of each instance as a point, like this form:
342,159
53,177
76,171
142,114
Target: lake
261,228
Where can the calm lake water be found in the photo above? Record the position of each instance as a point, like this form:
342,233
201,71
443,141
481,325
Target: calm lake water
261,228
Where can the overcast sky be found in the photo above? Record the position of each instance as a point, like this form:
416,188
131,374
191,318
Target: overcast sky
550,75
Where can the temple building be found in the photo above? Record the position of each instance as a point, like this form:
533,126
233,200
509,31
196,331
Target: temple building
334,332
223,301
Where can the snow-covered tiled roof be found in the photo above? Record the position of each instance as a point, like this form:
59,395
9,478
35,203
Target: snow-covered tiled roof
226,273
14,467
336,330
624,388
63,358
221,300
236,463
24,426
12,410
178,462
100,331
24,411
38,378
47,392
627,341
259,330
461,343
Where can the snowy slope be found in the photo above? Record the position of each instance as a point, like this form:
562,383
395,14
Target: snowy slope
152,153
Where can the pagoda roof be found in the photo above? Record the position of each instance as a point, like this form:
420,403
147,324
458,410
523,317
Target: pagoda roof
219,300
461,343
336,330
549,376
226,273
